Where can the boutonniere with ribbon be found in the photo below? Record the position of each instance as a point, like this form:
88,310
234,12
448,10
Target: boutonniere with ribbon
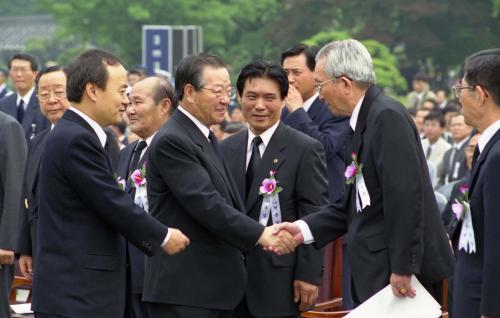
270,203
354,175
138,179
461,209
353,170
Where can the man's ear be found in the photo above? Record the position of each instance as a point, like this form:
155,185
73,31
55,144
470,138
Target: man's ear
482,94
166,106
91,91
189,92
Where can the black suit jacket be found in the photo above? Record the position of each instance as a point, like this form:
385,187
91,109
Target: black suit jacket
301,171
26,243
191,189
319,123
80,256
136,257
476,275
459,164
401,231
33,122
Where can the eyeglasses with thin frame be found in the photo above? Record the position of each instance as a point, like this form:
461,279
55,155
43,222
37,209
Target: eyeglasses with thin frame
218,92
319,86
45,95
457,90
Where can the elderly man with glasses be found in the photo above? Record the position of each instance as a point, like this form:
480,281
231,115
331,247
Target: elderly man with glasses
389,211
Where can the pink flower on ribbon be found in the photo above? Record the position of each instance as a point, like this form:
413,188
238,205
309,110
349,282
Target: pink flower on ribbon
269,185
458,209
353,169
350,171
138,178
464,189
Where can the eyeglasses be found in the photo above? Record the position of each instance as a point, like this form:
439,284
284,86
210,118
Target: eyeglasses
45,95
219,92
457,90
320,85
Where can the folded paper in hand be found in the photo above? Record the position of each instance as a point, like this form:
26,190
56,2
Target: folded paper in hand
385,304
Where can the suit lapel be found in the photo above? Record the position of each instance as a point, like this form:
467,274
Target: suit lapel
356,143
30,114
202,141
315,109
482,157
126,172
238,164
273,158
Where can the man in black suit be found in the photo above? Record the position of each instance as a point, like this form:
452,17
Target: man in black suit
81,253
152,102
307,113
389,211
476,275
190,187
13,154
51,87
276,284
454,163
24,104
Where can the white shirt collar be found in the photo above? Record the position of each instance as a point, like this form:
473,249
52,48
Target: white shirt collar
309,101
95,126
150,138
487,135
2,87
459,144
265,136
204,129
354,117
26,98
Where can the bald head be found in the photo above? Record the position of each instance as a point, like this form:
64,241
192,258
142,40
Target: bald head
152,102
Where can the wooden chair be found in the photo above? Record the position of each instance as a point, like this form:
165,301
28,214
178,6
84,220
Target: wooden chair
19,283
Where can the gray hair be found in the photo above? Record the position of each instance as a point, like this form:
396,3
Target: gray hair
348,58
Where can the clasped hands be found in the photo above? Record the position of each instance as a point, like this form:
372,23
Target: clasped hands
281,238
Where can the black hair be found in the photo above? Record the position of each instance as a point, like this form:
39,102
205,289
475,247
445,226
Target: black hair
25,57
190,69
46,70
435,116
89,67
262,69
299,49
483,69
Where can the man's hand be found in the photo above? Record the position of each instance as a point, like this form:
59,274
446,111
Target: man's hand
26,266
176,243
293,100
6,257
305,293
401,285
280,243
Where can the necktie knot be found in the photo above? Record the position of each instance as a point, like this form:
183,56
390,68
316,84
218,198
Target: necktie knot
256,141
140,146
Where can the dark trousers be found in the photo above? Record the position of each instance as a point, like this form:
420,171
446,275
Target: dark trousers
138,308
6,277
177,311
40,315
242,311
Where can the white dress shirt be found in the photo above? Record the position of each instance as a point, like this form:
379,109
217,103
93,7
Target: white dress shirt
487,134
204,129
309,101
26,98
265,136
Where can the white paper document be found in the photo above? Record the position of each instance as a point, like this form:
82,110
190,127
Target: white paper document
22,308
385,304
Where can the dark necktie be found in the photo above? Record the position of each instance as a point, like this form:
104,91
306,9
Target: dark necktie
429,151
215,145
253,164
136,156
20,112
475,156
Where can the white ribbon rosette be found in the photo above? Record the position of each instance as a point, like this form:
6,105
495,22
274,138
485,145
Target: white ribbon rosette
270,203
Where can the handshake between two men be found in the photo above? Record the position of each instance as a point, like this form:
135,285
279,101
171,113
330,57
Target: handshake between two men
280,238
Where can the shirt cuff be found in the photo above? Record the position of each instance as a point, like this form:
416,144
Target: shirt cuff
306,232
165,241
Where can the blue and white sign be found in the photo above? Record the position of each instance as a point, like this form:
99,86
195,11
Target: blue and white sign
157,48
